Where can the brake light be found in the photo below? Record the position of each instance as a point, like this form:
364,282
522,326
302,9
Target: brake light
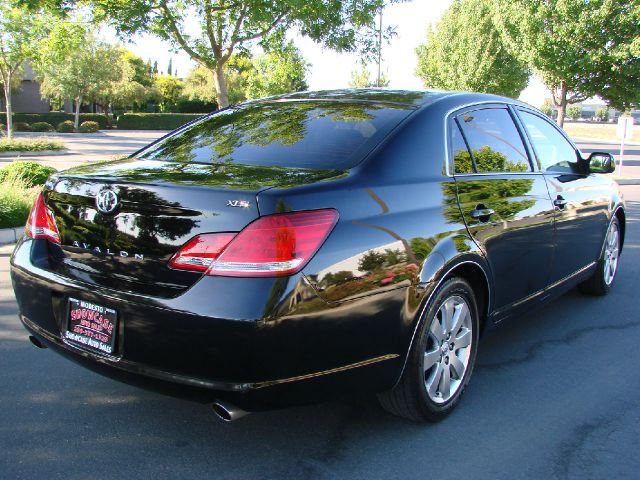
199,252
41,224
274,245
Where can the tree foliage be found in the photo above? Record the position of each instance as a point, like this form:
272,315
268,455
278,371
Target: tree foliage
226,27
170,90
276,72
20,31
362,78
579,48
74,64
465,52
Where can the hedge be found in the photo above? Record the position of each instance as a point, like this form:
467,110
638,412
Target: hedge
31,173
154,121
54,118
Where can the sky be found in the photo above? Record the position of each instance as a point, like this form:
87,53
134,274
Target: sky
333,70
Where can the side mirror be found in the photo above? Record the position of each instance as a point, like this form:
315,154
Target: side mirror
601,162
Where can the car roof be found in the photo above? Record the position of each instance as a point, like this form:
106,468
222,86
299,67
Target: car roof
408,98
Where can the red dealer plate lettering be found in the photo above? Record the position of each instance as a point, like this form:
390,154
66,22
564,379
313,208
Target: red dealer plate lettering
91,326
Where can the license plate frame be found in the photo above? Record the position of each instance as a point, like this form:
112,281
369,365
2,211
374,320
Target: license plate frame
91,326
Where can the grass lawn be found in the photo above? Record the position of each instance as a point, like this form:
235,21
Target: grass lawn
29,145
600,131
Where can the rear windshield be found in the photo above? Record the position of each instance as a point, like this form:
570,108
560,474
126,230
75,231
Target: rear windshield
315,134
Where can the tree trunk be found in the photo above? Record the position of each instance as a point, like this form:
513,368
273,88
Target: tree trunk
562,104
76,122
222,95
7,98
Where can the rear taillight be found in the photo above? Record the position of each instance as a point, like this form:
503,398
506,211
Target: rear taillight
279,244
273,245
41,224
199,253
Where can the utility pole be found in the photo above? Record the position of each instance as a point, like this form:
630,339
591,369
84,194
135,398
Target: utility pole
379,51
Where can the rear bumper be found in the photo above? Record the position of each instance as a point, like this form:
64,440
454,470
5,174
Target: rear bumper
242,340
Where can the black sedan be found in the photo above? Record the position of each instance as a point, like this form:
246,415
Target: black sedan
293,248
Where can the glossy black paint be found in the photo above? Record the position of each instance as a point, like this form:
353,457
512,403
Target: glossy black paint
346,322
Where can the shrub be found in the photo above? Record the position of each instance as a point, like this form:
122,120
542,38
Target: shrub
602,114
29,145
66,127
89,127
154,121
54,118
3,128
21,127
42,127
30,173
16,198
574,111
195,106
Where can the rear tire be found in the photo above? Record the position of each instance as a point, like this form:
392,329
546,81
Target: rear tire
602,279
442,357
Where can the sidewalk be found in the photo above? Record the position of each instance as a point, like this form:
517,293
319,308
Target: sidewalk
88,147
630,174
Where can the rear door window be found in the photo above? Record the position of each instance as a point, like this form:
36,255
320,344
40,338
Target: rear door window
301,134
494,141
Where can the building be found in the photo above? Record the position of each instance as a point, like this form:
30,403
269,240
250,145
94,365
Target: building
27,99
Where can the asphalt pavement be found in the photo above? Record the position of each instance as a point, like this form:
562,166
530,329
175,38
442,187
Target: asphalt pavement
555,396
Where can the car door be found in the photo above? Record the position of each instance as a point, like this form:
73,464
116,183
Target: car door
581,199
505,204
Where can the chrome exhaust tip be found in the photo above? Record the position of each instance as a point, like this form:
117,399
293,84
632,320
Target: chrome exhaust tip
36,342
227,412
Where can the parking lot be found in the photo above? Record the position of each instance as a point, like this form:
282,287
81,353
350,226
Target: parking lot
555,395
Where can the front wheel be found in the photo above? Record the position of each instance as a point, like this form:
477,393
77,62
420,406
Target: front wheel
441,358
601,281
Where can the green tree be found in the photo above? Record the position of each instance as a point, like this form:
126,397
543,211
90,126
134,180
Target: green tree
602,114
371,261
362,78
199,84
74,64
574,111
127,90
20,31
278,71
170,90
579,48
465,52
226,27
546,108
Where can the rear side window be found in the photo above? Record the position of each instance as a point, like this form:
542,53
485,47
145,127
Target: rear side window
303,134
553,151
496,145
461,157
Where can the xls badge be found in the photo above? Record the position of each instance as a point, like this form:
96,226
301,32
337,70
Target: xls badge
238,203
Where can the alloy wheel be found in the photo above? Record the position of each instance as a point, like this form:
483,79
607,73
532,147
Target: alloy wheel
448,351
611,252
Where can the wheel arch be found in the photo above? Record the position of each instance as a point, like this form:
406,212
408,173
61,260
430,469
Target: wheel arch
471,268
622,221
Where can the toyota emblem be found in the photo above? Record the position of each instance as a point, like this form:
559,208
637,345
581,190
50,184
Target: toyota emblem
106,201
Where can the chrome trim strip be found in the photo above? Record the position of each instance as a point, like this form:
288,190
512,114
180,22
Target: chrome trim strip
308,376
570,276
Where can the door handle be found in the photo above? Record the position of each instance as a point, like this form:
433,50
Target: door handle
482,214
560,202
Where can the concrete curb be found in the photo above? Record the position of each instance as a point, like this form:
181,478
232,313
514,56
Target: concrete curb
10,235
44,153
627,181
